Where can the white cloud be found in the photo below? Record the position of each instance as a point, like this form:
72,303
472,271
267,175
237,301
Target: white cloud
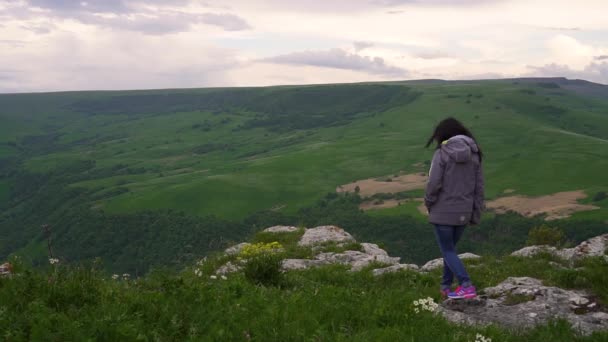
338,59
595,72
110,44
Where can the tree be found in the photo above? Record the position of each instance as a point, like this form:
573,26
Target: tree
545,235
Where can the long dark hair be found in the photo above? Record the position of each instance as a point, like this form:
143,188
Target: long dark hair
448,128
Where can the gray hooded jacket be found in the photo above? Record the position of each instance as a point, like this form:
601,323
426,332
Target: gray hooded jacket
455,190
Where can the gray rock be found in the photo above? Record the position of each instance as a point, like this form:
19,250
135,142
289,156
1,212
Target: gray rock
301,264
281,229
537,304
394,268
373,249
229,267
533,250
593,247
324,234
357,260
436,263
236,249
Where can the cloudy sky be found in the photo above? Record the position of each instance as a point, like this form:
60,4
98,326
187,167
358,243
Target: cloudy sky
48,45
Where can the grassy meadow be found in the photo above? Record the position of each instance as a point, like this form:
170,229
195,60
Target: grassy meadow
537,141
94,164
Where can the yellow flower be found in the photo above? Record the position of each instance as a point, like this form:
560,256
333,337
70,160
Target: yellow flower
259,248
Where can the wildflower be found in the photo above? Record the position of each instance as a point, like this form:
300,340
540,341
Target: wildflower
425,304
53,261
260,248
126,276
115,276
224,277
201,262
213,277
198,272
481,338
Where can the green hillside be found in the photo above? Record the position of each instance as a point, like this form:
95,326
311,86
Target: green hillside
137,170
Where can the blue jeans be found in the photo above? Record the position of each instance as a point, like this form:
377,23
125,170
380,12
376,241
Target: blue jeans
447,237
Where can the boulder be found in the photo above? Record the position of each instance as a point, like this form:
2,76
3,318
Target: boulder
373,249
523,302
533,250
395,268
593,247
436,263
301,264
236,249
357,260
281,229
324,234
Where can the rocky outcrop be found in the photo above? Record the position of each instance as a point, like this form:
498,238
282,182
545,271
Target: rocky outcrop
325,234
395,268
281,229
530,251
357,260
525,302
436,263
593,247
236,249
302,264
373,249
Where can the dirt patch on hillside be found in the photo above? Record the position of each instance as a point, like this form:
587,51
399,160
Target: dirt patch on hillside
371,186
556,206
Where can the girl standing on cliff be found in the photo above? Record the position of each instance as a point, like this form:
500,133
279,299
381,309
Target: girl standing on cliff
454,198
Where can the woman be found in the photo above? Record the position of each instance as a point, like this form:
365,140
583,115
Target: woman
454,198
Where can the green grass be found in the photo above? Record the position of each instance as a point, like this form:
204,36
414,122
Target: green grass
327,303
407,208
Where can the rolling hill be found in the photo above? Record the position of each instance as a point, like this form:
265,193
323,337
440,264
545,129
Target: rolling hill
128,170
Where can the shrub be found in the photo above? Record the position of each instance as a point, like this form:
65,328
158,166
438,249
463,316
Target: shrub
545,235
264,269
600,196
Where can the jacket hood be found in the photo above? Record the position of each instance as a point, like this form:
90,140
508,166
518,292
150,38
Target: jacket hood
460,148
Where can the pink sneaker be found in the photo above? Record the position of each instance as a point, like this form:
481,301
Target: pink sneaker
463,293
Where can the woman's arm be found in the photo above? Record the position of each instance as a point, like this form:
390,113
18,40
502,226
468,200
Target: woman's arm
435,178
478,201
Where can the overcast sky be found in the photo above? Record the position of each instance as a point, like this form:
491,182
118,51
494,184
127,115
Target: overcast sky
48,45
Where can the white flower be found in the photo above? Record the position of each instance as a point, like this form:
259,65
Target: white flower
53,261
213,277
481,338
224,277
425,304
198,272
126,276
115,276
